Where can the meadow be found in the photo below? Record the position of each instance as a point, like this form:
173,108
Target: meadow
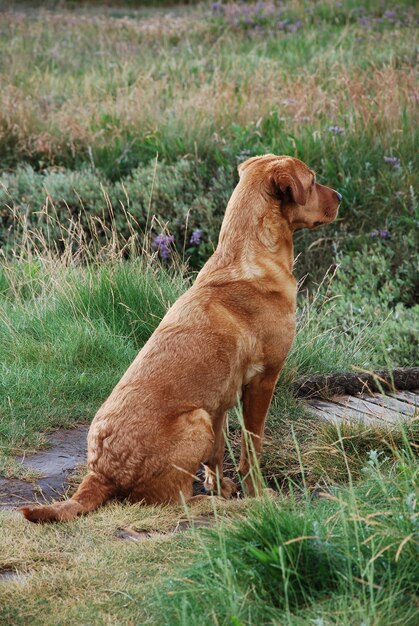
121,128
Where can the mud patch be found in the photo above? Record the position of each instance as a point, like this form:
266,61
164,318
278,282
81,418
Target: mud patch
205,520
9,575
67,450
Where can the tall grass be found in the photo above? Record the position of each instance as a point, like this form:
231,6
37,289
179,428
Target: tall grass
348,558
74,313
201,90
115,89
71,321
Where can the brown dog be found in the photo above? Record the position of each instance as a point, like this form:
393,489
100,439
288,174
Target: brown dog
225,338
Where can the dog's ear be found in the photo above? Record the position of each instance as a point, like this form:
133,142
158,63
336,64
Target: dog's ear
288,183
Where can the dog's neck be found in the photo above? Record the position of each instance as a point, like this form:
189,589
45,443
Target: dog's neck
255,241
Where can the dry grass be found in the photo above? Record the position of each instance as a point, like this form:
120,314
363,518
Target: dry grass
102,79
83,573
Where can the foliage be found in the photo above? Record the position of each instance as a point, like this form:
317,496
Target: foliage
350,557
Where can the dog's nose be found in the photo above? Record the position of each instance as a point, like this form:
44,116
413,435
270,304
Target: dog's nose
339,196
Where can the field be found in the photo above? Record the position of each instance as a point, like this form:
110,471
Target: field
121,128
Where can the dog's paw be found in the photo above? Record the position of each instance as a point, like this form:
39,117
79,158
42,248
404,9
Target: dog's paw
228,488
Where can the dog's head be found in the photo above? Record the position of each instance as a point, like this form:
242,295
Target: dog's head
303,202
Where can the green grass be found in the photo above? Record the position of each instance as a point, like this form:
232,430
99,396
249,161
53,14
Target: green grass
68,331
348,558
66,337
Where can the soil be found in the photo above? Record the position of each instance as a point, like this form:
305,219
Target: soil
67,450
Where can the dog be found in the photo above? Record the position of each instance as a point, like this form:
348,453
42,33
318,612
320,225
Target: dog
226,338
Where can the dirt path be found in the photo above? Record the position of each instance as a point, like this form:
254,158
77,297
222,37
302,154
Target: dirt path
68,449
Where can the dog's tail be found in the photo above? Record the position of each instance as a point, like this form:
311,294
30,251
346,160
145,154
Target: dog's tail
92,492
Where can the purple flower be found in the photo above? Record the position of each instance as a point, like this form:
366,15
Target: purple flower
292,28
162,244
382,233
394,161
217,7
196,237
365,21
337,130
390,15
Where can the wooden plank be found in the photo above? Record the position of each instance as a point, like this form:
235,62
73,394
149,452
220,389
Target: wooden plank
324,415
349,408
406,396
392,403
382,414
339,413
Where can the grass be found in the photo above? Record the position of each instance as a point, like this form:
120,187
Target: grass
96,88
73,318
69,331
112,91
67,335
58,580
348,557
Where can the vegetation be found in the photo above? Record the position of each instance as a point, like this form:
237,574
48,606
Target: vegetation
200,91
348,558
121,127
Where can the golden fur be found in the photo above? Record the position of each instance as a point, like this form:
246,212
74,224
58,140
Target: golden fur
227,337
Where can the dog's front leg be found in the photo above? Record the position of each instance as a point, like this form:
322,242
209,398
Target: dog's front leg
257,396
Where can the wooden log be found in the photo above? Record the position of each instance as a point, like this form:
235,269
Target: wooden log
327,385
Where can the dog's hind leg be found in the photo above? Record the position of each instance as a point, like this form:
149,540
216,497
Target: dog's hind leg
191,438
